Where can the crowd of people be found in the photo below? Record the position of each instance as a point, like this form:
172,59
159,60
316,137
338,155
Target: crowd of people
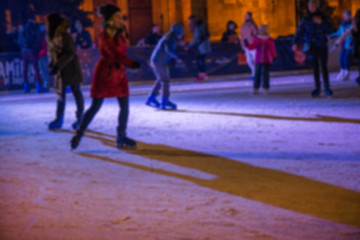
109,77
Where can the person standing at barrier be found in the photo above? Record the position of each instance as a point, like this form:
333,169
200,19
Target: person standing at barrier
314,28
29,40
109,79
346,46
248,32
356,36
160,57
43,57
265,54
154,37
83,37
65,64
230,36
201,43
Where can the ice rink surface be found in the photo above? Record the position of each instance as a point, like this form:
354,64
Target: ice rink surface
227,165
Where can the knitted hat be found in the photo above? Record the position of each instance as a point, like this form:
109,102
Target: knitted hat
54,20
178,29
107,10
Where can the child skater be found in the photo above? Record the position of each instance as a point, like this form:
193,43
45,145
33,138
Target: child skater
66,65
162,54
109,79
346,46
265,54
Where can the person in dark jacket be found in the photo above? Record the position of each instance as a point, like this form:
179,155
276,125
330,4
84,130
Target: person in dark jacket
83,38
162,54
154,37
109,78
29,40
201,43
66,66
356,35
230,36
315,28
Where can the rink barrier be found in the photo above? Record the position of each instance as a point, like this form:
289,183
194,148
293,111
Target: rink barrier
224,59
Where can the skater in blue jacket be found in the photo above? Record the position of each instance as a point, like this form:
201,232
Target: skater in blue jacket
161,56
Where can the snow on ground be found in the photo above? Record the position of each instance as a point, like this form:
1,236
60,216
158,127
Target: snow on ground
226,165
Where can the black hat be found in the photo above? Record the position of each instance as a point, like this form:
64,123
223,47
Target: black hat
107,10
54,20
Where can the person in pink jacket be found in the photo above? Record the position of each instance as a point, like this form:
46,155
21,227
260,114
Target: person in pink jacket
265,55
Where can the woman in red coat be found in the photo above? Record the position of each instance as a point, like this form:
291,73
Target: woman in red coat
109,79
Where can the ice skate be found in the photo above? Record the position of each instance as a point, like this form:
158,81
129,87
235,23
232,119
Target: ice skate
27,88
167,105
329,92
56,124
340,76
75,141
152,102
256,91
125,142
346,76
201,77
41,89
357,80
315,93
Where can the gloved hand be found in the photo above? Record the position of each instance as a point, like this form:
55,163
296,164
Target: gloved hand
135,65
53,70
274,59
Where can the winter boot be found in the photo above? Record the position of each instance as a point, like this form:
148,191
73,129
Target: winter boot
75,141
57,123
167,105
122,141
152,102
27,87
41,89
328,92
346,76
340,76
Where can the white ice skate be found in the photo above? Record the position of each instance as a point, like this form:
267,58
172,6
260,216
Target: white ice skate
346,76
340,76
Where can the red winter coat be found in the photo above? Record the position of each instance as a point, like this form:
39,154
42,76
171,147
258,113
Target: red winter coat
265,49
109,79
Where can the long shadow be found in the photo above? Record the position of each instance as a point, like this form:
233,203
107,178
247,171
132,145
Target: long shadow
269,186
319,118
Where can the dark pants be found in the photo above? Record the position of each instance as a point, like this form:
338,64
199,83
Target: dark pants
94,108
200,59
162,79
321,55
79,100
262,73
345,58
29,57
